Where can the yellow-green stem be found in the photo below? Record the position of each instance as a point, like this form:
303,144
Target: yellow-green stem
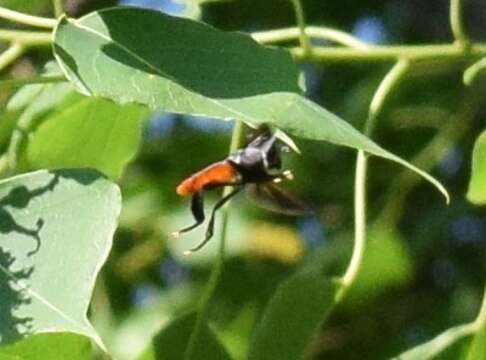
389,82
303,38
25,19
26,38
332,54
58,7
33,80
457,25
316,32
10,55
218,266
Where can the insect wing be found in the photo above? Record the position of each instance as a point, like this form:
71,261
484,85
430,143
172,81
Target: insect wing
273,198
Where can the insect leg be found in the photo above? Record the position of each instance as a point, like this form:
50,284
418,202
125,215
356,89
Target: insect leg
197,209
210,228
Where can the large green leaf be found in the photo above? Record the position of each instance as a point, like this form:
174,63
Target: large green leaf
88,132
59,128
171,342
477,185
53,346
56,231
477,346
183,66
293,316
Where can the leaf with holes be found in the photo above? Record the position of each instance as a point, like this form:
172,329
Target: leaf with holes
56,230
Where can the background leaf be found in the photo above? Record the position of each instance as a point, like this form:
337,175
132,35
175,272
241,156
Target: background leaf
240,80
87,132
171,342
477,184
52,346
437,345
56,231
293,316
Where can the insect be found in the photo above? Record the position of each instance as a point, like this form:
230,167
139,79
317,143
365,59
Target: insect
257,168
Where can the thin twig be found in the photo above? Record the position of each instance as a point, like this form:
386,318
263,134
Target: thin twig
303,38
218,266
10,55
457,24
32,80
26,38
58,7
22,18
315,32
383,53
389,82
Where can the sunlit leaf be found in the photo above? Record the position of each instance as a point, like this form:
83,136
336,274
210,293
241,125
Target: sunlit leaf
477,184
59,128
477,347
178,65
53,346
87,132
293,316
56,231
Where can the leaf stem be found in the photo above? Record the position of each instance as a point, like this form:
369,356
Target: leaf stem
33,80
389,82
457,24
317,32
218,266
473,71
22,18
58,8
26,38
303,38
375,53
10,55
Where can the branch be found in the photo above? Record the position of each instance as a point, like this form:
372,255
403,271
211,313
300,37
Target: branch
27,19
389,82
218,267
10,55
390,53
316,32
457,25
299,14
26,38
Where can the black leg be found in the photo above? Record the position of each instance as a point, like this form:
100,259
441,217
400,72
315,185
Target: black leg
197,209
210,228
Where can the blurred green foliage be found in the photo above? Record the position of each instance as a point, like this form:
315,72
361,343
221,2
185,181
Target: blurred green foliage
425,266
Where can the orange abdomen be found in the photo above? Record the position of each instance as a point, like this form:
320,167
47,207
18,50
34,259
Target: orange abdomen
218,173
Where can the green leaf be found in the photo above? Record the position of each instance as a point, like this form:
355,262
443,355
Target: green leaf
89,132
437,345
132,55
62,129
477,185
37,101
54,346
477,347
171,342
386,264
56,230
293,317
